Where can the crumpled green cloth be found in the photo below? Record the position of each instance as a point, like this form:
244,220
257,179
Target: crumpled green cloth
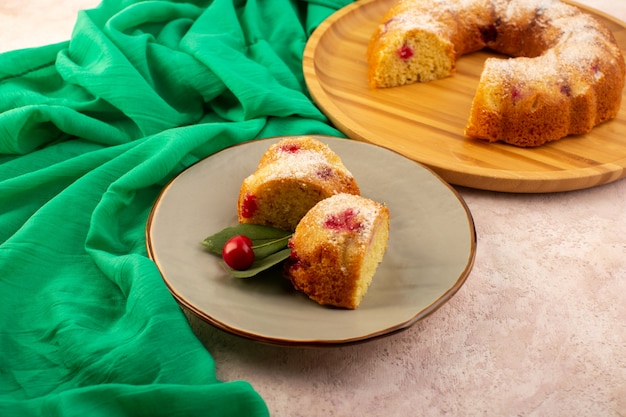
90,131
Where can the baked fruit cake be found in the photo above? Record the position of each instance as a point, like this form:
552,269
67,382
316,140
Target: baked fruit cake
336,249
567,75
291,177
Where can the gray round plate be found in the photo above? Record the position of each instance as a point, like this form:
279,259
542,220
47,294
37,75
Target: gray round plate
432,245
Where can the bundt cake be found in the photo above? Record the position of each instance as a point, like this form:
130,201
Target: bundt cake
567,75
336,249
291,177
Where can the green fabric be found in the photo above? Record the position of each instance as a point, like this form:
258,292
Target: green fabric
90,131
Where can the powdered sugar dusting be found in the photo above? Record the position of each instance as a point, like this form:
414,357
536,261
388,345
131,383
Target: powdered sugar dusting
302,164
549,13
414,19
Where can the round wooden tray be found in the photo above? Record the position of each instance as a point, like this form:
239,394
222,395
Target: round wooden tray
425,121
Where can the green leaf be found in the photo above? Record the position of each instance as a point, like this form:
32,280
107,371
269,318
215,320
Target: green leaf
260,264
271,246
260,236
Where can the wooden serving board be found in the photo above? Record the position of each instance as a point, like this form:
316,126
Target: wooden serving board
425,121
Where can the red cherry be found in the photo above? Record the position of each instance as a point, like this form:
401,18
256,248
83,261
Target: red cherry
346,220
405,52
249,206
237,252
290,147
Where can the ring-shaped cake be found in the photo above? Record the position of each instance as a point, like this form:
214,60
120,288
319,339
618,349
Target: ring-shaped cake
565,76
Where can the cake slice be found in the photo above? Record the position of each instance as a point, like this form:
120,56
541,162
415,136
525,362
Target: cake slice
336,249
292,176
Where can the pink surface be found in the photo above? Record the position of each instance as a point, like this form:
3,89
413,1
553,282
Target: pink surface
539,328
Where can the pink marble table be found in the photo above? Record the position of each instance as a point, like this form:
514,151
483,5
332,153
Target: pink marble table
539,328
